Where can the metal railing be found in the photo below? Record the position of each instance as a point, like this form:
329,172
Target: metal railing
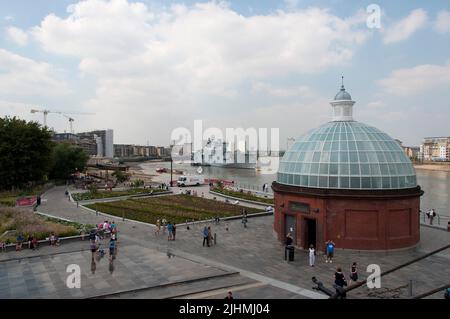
438,220
254,188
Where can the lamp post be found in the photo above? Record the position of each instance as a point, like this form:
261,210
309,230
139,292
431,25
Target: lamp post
171,163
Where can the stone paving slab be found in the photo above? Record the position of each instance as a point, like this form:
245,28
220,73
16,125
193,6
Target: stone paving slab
135,267
257,251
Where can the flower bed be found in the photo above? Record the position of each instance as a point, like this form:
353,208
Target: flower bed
27,223
175,208
243,195
108,194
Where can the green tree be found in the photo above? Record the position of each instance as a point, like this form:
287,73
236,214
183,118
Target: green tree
66,160
121,176
25,152
137,183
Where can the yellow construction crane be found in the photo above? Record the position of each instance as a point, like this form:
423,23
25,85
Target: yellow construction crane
71,120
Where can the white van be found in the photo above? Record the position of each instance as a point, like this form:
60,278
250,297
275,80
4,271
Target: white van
195,180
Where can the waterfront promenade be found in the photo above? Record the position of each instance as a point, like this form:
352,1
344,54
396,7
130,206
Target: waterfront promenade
248,261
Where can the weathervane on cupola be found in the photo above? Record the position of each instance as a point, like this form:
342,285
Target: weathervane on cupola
342,105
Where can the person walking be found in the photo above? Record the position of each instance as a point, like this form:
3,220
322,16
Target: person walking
164,224
112,249
174,231
312,255
170,231
205,236
158,227
93,247
330,251
288,245
353,274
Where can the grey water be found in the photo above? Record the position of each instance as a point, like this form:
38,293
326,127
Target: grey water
436,184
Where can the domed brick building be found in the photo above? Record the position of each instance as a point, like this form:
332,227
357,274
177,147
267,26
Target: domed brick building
348,182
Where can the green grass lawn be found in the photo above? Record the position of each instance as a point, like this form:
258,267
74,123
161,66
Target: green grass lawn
107,194
243,195
174,208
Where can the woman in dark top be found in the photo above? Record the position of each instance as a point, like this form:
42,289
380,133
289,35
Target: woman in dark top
339,278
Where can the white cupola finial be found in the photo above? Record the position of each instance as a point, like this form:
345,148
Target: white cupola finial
342,105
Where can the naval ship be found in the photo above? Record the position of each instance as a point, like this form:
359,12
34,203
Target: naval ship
222,154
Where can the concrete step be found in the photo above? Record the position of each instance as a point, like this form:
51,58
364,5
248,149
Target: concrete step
186,288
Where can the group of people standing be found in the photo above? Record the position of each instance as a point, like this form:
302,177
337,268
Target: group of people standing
339,278
98,234
171,228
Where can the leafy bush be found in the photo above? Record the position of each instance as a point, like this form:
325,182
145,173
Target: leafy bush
137,183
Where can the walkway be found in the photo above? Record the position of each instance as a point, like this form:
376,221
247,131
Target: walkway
255,253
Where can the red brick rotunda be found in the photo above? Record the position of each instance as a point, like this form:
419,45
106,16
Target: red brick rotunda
348,182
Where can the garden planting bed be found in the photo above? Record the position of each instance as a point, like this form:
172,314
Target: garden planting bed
174,208
111,194
243,195
27,223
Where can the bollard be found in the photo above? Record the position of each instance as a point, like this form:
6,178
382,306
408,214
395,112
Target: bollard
410,288
215,239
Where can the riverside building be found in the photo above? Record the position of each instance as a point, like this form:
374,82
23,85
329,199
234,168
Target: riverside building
348,182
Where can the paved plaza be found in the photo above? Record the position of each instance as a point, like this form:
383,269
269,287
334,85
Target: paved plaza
248,261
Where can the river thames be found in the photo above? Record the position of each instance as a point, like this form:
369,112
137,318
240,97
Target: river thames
436,184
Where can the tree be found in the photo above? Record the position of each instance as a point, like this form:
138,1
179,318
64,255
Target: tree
137,183
121,176
66,160
25,152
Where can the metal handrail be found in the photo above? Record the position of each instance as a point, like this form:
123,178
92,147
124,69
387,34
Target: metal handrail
424,219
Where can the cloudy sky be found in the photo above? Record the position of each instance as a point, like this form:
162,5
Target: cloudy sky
146,67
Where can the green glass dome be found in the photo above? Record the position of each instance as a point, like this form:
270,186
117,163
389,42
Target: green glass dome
346,155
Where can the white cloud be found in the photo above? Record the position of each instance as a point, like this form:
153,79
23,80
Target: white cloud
21,76
406,27
442,23
417,79
17,35
174,59
297,91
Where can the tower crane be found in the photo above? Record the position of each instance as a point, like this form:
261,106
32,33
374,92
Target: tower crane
71,120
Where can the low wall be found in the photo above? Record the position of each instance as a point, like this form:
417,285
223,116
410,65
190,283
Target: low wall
12,247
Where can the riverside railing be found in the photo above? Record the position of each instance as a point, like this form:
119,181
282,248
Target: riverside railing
438,220
254,188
